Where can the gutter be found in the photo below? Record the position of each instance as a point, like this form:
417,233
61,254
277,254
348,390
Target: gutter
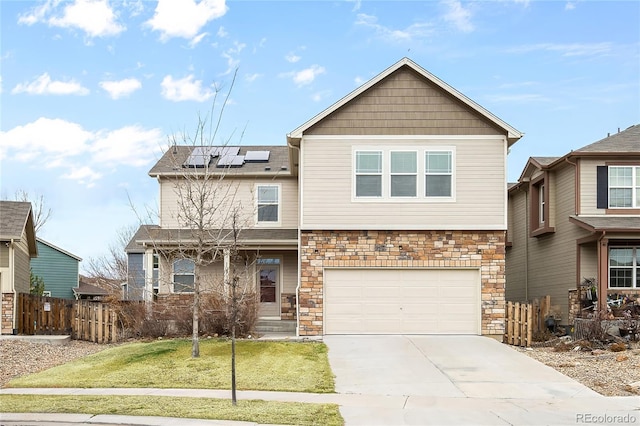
299,279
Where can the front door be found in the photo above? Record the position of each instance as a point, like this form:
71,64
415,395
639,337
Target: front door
269,288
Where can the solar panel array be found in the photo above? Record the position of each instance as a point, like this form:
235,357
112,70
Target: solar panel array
228,156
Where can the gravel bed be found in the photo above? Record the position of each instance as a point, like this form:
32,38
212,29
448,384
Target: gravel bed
608,373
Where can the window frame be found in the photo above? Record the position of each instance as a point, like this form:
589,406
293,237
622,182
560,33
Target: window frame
278,204
634,268
368,173
539,208
385,175
634,186
428,173
185,287
393,174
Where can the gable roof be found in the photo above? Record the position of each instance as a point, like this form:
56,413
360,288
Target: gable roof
512,134
16,217
46,243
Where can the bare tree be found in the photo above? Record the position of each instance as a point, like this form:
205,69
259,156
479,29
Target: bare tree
113,264
41,213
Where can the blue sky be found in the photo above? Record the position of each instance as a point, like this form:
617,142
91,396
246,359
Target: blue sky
91,89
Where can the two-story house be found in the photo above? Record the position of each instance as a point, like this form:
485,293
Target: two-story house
575,217
385,213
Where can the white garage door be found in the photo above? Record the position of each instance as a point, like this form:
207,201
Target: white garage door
401,301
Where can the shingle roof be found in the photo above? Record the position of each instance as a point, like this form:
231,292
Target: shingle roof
153,235
625,141
171,163
608,223
14,216
544,161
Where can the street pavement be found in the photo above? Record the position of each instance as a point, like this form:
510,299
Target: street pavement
408,380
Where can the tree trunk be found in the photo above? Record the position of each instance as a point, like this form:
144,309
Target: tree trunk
234,310
195,343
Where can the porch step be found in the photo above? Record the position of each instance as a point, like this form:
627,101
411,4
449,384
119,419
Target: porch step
276,326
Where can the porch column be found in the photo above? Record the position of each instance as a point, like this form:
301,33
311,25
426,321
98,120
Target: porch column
603,273
148,275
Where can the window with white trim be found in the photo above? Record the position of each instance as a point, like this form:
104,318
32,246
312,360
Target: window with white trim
624,267
184,275
403,173
438,173
368,173
541,205
624,187
268,204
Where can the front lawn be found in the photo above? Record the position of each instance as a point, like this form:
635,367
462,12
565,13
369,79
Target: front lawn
260,365
282,413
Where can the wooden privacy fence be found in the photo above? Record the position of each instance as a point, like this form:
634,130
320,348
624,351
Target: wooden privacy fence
82,319
523,320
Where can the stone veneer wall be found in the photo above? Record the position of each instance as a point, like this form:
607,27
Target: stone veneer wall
287,306
484,250
7,313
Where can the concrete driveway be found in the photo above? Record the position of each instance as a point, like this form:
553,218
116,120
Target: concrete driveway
453,380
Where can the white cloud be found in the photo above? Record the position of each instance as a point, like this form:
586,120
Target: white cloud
118,89
197,39
458,15
250,78
43,85
292,58
570,5
222,32
308,75
84,175
572,49
130,146
60,144
95,17
185,89
319,96
413,31
45,140
184,18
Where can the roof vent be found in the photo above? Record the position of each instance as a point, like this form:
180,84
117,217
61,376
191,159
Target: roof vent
267,168
283,167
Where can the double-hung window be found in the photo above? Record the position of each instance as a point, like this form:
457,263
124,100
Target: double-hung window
624,187
404,173
624,267
368,173
184,274
268,204
438,173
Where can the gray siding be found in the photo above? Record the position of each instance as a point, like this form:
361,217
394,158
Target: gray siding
515,269
22,265
4,256
404,103
135,276
58,270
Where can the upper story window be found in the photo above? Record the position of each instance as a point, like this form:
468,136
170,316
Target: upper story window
268,204
438,173
624,187
368,173
184,275
395,174
624,267
539,208
404,173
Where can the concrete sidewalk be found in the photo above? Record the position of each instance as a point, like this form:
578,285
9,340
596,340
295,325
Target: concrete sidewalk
360,409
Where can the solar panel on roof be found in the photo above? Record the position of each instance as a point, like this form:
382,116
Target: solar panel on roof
200,157
231,161
220,151
257,156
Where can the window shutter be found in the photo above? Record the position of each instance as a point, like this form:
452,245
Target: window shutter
603,187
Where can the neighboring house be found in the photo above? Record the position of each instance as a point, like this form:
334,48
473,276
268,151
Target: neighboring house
17,248
84,290
575,217
385,213
58,268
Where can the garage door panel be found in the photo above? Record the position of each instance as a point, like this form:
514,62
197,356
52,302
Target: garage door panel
400,301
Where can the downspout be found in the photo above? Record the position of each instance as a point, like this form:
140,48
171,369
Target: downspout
12,282
602,273
298,278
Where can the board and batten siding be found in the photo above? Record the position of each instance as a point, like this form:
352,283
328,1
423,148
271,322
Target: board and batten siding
328,201
58,270
553,257
516,255
242,192
404,103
